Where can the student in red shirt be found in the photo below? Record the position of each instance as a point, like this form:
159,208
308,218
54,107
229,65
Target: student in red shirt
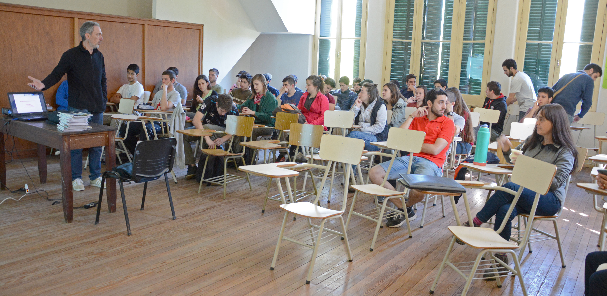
439,131
313,103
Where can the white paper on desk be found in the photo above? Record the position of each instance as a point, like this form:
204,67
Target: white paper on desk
125,116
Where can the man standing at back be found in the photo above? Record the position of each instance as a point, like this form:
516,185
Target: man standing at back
575,87
521,88
87,92
213,75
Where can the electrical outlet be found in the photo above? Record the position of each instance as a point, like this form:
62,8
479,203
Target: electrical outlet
27,190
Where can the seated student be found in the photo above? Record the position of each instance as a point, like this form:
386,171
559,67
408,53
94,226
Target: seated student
495,100
440,84
544,96
344,97
183,92
295,79
243,92
288,94
272,89
314,103
260,104
61,96
595,281
165,99
211,114
329,85
394,103
409,89
420,95
462,120
356,83
202,90
371,114
132,90
439,133
550,142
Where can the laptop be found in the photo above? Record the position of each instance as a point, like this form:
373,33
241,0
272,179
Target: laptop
28,105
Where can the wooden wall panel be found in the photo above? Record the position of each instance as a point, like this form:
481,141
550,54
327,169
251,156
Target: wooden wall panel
34,38
172,47
122,45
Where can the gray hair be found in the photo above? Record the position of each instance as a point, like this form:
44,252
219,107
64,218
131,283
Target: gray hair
87,28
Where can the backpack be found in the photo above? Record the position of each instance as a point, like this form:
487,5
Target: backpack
290,108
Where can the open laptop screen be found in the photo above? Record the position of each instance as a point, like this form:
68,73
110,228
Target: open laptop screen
27,103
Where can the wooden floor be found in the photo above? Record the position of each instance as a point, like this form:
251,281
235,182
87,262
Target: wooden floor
225,247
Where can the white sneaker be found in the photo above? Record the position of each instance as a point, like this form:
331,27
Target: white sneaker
97,183
77,185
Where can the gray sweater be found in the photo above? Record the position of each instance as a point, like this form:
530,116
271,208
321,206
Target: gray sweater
557,155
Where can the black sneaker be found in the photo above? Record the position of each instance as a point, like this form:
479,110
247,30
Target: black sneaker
397,219
191,172
490,276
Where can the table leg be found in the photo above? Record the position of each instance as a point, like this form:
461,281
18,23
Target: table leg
282,194
67,197
2,163
467,208
42,163
110,163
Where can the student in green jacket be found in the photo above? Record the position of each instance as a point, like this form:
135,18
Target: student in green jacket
261,103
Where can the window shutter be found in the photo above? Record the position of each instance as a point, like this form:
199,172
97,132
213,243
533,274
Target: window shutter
587,34
402,30
541,28
475,29
324,45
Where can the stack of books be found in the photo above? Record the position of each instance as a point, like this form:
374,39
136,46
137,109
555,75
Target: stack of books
73,122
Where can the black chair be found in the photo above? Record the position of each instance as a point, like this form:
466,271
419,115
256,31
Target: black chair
151,160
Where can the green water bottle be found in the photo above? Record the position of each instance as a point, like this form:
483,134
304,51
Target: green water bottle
482,145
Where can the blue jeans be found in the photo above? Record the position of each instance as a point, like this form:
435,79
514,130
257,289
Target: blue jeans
463,148
367,137
420,166
595,281
499,203
94,153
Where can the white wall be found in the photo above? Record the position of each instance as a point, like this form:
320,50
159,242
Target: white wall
298,16
132,8
375,40
277,54
228,31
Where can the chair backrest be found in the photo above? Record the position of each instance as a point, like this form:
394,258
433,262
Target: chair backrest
409,111
153,158
488,115
475,117
405,140
126,106
530,121
241,126
593,118
341,149
306,135
146,96
533,174
339,119
521,131
284,120
582,153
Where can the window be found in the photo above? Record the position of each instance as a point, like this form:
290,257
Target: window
340,38
558,38
425,41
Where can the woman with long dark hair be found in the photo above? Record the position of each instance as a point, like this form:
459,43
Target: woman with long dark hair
202,90
550,142
467,133
371,114
395,104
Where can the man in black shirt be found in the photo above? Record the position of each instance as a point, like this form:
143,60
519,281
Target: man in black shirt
87,92
497,101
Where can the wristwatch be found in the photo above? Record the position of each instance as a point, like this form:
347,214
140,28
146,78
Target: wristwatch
450,113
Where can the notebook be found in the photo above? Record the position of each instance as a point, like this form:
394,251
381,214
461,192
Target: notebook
28,105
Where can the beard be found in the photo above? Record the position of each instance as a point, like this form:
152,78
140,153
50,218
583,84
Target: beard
437,113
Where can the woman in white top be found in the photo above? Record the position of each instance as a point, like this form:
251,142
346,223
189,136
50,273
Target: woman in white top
371,115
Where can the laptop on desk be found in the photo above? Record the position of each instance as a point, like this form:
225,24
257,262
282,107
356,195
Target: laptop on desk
28,105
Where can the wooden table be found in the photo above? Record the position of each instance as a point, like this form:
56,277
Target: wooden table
593,188
272,171
45,134
264,145
601,139
600,159
500,173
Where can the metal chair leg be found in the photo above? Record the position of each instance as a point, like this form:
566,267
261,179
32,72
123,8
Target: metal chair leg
424,212
100,198
558,241
343,228
315,252
166,179
204,169
145,188
442,265
517,267
126,213
282,232
265,201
